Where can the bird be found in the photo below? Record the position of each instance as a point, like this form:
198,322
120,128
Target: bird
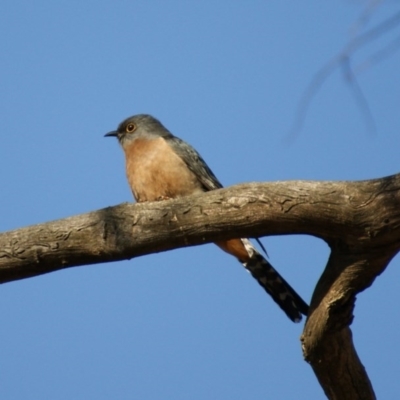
161,166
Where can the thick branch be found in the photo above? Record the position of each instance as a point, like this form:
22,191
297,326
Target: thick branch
357,215
327,336
359,220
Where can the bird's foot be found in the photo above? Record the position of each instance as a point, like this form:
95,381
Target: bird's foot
161,198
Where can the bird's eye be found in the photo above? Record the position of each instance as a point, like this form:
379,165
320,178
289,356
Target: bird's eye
130,128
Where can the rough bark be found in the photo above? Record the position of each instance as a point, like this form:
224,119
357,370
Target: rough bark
359,220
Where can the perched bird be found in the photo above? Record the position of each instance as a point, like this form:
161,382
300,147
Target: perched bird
161,166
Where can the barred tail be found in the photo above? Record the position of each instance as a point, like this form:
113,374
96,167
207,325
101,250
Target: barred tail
273,283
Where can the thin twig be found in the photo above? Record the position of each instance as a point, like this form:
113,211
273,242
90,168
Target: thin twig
343,59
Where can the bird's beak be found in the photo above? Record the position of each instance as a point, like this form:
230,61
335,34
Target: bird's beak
112,133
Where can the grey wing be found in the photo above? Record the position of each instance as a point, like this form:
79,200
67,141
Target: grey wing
195,163
198,166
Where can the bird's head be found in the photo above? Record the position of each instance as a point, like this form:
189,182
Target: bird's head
139,126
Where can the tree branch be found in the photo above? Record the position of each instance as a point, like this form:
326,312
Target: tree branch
359,220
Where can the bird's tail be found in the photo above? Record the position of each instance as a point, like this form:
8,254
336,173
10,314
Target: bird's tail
267,276
273,283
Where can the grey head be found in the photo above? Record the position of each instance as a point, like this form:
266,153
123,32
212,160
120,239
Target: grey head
139,126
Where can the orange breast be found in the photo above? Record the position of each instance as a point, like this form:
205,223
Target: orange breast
154,170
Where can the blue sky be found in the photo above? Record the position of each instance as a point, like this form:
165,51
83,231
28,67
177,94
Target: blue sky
226,77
